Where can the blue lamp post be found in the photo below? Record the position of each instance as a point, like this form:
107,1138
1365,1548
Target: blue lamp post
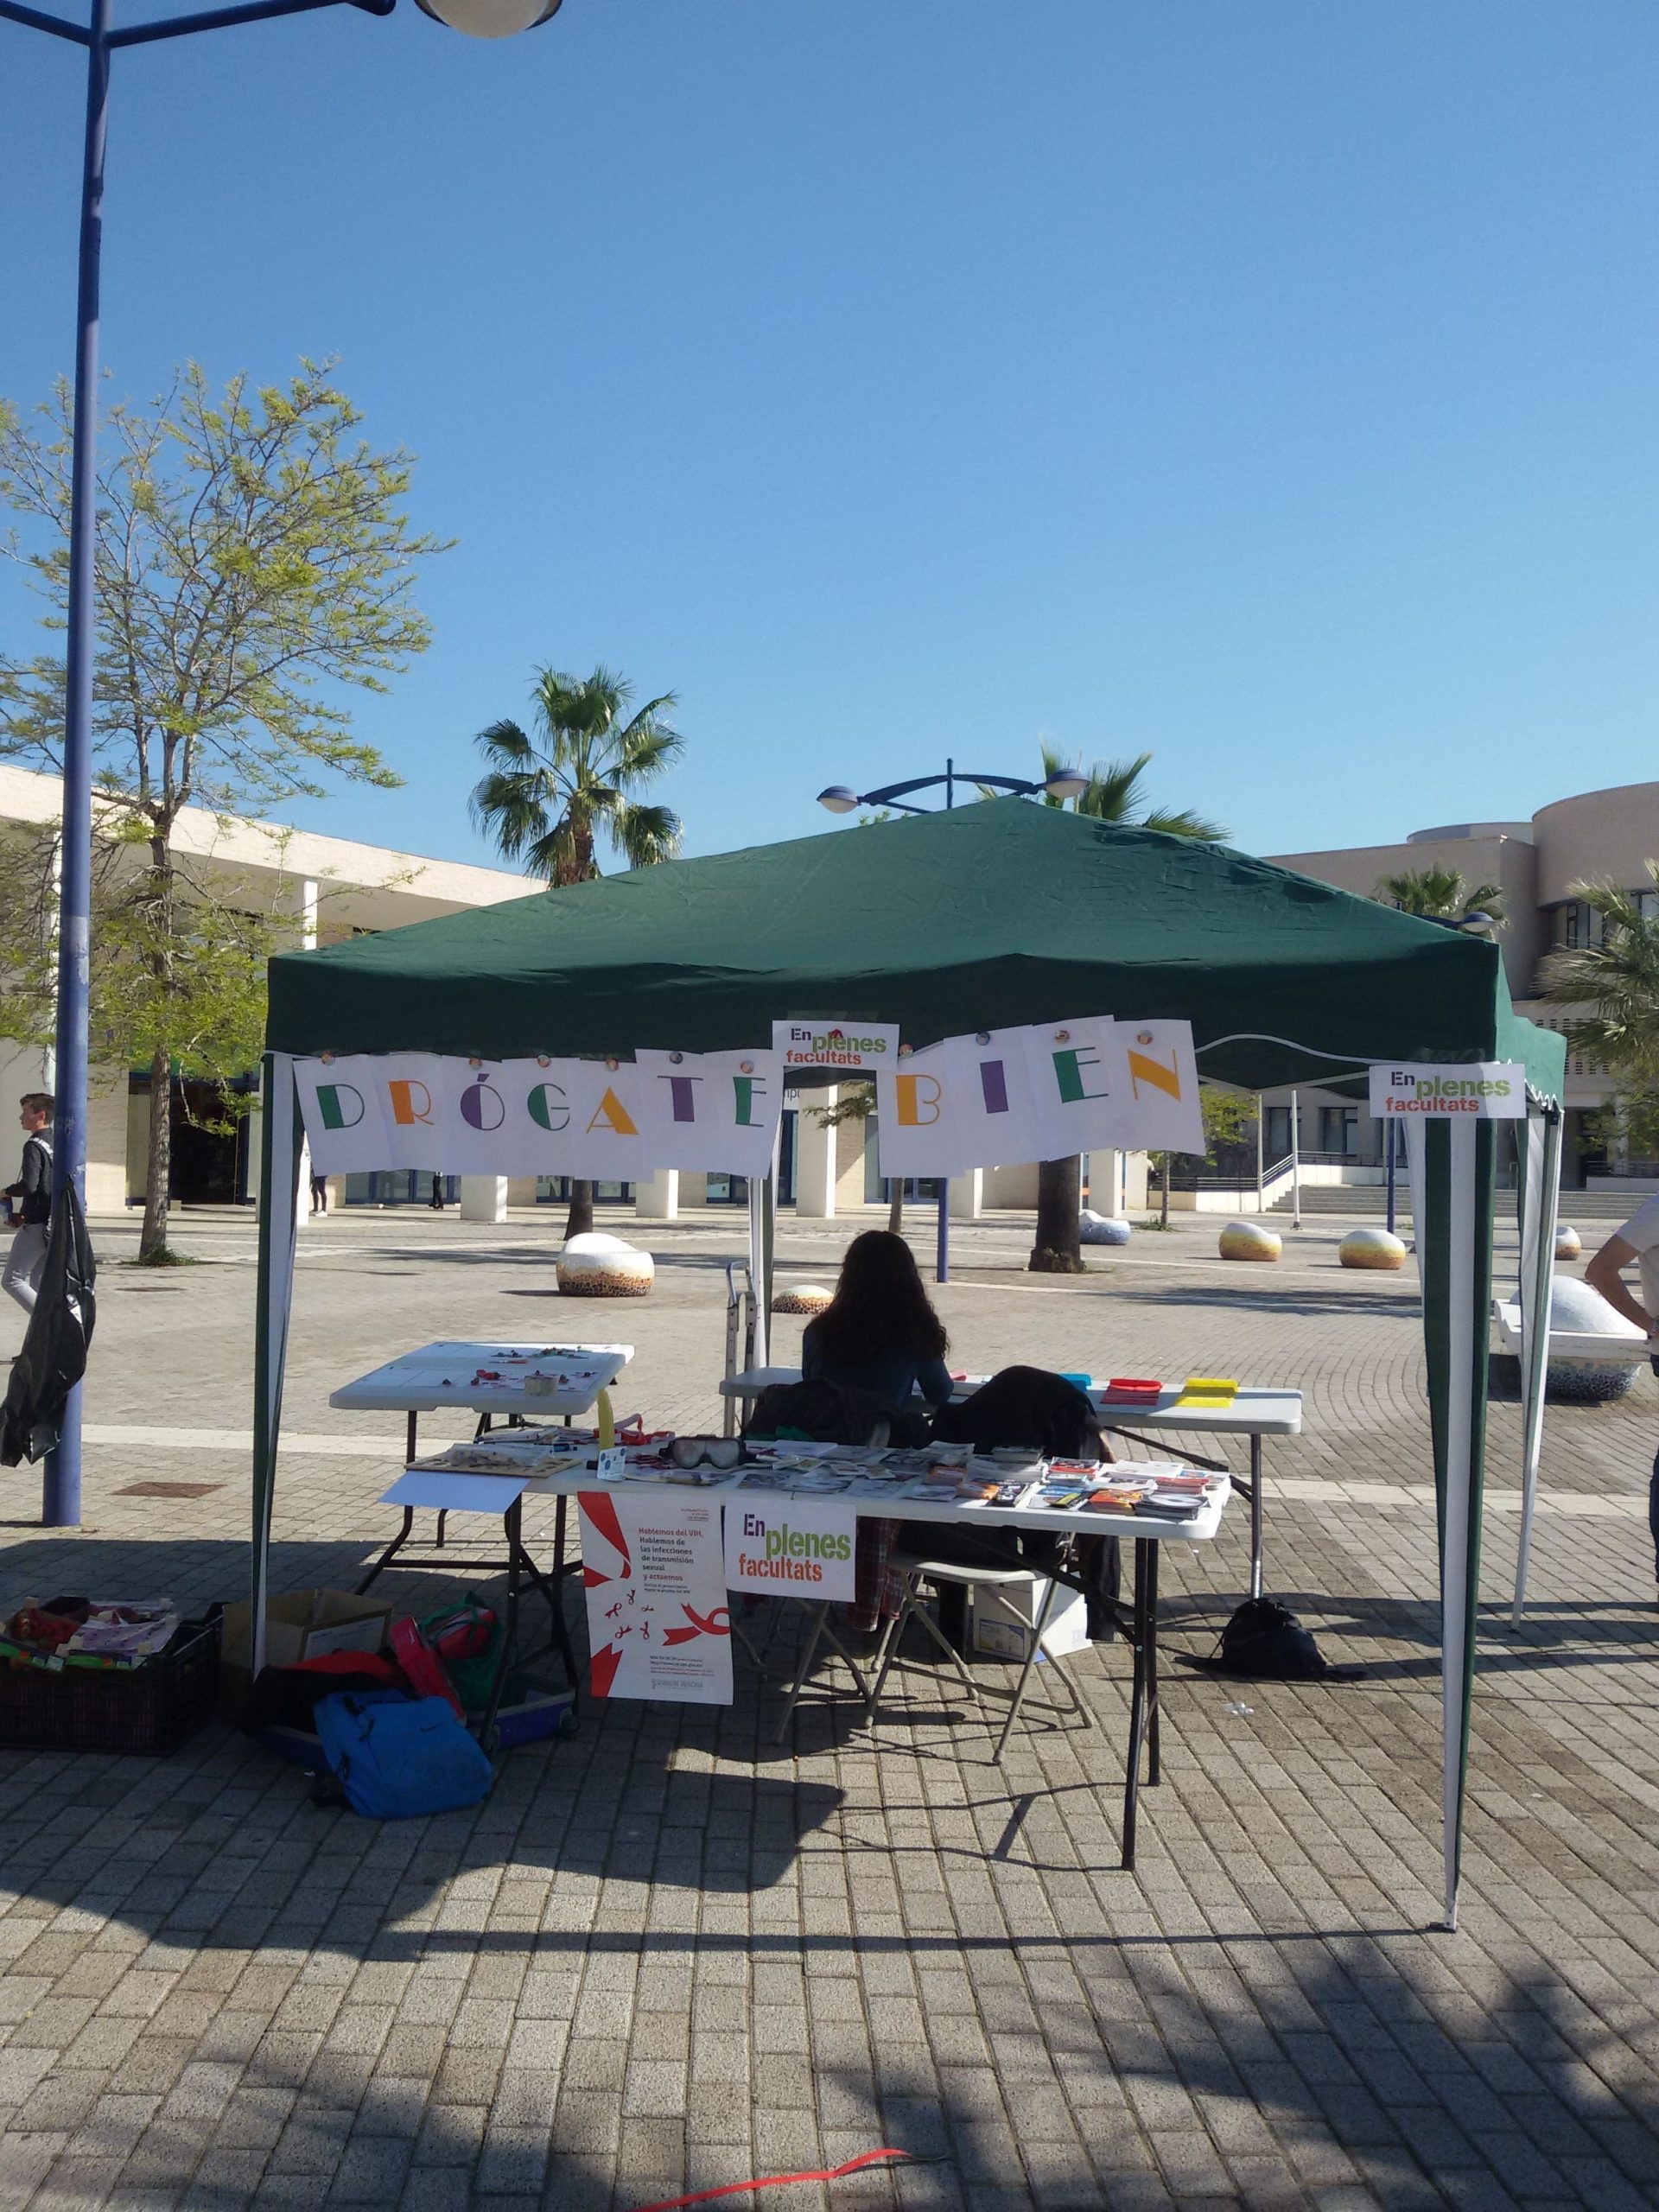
840,798
477,19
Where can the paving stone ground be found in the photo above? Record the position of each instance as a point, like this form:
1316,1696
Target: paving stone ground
673,1953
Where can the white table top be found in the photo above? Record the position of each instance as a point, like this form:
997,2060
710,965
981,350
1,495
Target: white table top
885,1506
440,1375
1251,1413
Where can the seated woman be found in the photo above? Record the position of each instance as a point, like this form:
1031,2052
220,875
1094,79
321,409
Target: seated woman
880,1334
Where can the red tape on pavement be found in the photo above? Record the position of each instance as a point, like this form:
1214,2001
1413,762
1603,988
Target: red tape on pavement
779,2181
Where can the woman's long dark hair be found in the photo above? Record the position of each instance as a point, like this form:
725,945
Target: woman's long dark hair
879,1306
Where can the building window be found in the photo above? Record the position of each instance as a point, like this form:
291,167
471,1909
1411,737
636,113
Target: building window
1339,1130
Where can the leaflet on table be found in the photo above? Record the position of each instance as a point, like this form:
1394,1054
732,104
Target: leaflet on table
653,1569
1044,1091
611,1119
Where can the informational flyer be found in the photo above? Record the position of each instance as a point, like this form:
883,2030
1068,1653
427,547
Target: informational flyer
657,1624
791,1547
1492,1091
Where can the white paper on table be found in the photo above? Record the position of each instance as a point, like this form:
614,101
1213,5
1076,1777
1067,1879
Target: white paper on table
455,1493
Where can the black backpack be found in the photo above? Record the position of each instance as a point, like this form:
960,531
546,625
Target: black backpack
1266,1642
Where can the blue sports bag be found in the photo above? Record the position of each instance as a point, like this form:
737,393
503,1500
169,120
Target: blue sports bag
398,1757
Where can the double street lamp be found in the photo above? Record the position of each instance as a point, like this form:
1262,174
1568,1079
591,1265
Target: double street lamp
842,798
101,40
1065,783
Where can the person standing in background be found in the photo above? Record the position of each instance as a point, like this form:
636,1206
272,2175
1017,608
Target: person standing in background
33,1193
1635,1244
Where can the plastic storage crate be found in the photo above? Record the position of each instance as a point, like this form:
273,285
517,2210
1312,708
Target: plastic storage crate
151,1708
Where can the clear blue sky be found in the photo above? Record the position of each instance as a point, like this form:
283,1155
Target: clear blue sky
1267,384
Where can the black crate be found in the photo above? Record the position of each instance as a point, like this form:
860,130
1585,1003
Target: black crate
151,1708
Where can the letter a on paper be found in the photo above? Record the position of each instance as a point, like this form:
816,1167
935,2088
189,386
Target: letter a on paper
611,1114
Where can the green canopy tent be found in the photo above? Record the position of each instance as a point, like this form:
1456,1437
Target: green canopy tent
994,915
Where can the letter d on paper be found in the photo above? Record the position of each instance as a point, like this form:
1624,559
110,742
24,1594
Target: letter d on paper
336,1102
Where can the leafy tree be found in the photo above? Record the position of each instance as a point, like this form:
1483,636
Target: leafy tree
1227,1114
1116,793
544,798
252,555
1440,894
1617,982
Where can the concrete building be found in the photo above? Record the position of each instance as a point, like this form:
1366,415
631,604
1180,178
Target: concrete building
1598,836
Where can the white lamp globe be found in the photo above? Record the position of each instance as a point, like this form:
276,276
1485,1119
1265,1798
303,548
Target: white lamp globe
490,18
1068,783
838,798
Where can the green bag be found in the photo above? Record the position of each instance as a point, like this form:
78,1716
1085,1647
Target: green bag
466,1637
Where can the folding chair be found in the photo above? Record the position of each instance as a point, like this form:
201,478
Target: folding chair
916,1568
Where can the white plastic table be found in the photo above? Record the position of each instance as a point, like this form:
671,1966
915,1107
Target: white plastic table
445,1375
1253,1413
1137,1623
435,1377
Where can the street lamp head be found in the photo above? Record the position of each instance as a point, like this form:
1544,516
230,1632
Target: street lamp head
1067,783
490,18
1478,924
838,798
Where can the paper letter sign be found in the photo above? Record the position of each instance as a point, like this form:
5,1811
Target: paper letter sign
791,1547
657,1624
1494,1090
717,1110
1159,1102
916,1116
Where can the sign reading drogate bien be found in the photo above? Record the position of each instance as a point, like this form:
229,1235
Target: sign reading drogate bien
851,1045
1494,1090
791,1547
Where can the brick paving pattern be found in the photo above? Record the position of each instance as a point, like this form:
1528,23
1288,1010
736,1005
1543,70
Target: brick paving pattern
671,1953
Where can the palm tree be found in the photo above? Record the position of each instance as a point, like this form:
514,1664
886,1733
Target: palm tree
545,797
1439,894
1617,980
1114,794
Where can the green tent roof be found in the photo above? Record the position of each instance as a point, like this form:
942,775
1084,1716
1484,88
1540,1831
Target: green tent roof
994,914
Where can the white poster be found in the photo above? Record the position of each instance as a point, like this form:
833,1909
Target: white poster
917,1117
1492,1091
791,1547
1078,1086
657,1624
711,1110
1158,1096
855,1047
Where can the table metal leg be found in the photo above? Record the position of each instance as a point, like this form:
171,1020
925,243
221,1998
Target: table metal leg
1150,1631
410,1446
512,1523
1256,1516
1137,1700
390,1552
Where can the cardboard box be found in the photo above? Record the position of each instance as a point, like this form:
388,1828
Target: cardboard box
299,1624
1000,1627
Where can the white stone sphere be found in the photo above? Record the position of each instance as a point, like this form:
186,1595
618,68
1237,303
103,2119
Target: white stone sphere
597,1266
1372,1248
1248,1240
1101,1229
1568,1243
1575,1307
803,1298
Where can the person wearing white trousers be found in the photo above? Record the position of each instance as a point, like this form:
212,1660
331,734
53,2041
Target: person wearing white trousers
20,1276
